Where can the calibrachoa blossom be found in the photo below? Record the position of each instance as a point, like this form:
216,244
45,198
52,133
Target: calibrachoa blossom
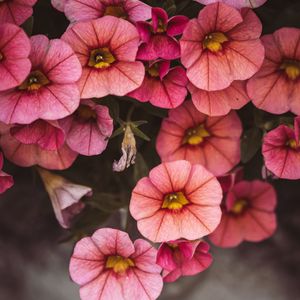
107,56
248,214
281,151
88,129
236,3
228,180
158,36
108,265
14,62
162,86
39,143
16,11
183,258
49,91
219,103
6,181
131,10
221,45
276,86
59,4
65,196
177,200
188,134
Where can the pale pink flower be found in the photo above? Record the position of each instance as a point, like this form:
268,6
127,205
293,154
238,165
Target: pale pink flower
108,265
6,181
236,3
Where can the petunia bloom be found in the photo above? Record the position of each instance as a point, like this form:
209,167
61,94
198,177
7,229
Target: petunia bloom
6,181
221,45
248,214
219,103
228,180
276,86
14,52
65,196
236,3
281,151
59,4
88,128
213,142
177,200
130,10
39,143
49,92
107,56
16,11
162,86
183,258
108,265
158,36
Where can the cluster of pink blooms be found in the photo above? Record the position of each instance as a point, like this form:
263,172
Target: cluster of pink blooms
48,117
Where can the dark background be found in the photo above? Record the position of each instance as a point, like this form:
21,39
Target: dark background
35,251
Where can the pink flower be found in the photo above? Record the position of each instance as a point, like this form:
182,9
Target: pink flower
14,52
177,200
108,265
131,10
228,180
49,91
276,86
6,181
248,214
162,86
221,45
219,103
236,3
88,129
16,11
213,142
107,56
65,196
59,4
39,143
158,36
183,258
281,151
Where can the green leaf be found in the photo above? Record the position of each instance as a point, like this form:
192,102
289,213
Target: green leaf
117,132
140,134
251,143
138,123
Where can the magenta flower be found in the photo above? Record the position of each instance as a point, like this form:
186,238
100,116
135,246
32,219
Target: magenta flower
248,214
162,86
88,129
281,151
219,103
183,258
49,91
130,10
16,11
39,143
276,86
177,200
107,56
236,3
213,142
228,180
158,36
14,62
59,4
108,265
217,49
65,196
6,181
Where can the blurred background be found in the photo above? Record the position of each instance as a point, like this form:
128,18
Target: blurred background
35,251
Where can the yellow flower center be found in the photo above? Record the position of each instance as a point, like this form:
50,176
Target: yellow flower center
34,81
101,58
291,69
161,26
116,11
213,42
239,206
292,143
153,70
175,201
195,136
85,113
119,264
